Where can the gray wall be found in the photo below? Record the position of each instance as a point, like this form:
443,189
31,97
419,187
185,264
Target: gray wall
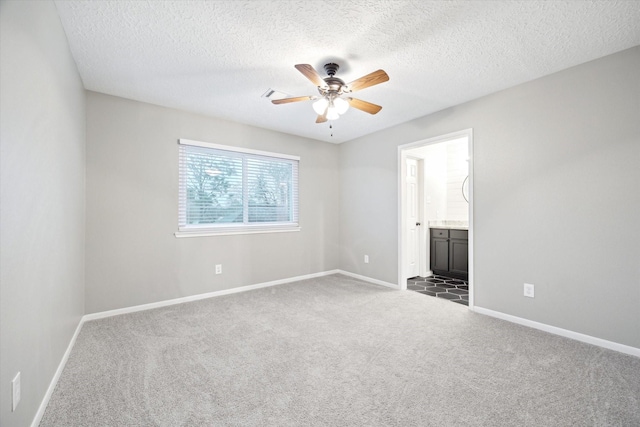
132,254
42,135
556,197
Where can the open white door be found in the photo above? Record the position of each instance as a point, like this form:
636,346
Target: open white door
413,219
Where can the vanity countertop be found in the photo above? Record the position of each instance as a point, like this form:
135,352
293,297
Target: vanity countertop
449,224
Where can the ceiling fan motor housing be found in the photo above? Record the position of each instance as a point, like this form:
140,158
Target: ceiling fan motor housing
334,85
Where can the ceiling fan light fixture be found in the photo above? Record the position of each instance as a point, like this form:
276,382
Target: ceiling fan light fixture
341,105
320,105
332,113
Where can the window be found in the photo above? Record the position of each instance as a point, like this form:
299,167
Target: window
228,190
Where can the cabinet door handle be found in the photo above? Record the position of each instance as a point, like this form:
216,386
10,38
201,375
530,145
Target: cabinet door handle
417,223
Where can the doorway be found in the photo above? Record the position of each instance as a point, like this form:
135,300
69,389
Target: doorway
421,204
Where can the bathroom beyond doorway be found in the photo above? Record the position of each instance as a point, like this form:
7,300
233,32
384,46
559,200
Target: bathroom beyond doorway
438,192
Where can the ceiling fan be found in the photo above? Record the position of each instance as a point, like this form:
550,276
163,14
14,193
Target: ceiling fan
332,100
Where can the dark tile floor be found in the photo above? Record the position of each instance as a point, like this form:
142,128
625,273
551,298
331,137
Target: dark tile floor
456,290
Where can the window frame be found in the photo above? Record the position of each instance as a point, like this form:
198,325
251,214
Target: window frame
202,230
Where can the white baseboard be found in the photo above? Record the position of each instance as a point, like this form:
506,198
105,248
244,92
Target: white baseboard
56,377
135,308
368,279
633,351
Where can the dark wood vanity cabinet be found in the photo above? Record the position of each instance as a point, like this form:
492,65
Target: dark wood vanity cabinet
439,250
450,252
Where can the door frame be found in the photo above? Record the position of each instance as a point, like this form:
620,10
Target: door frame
402,215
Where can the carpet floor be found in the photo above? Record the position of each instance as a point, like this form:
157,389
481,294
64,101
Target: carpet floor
335,351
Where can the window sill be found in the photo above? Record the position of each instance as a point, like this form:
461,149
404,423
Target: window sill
229,232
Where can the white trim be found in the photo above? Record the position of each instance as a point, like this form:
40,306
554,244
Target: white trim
433,140
212,232
368,279
401,216
632,351
143,307
54,381
471,233
183,141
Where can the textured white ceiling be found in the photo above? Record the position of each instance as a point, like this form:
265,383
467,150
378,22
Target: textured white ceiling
218,57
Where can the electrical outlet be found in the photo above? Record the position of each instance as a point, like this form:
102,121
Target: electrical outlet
15,390
529,290
218,268
366,259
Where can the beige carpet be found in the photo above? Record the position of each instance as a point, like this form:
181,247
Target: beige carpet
336,351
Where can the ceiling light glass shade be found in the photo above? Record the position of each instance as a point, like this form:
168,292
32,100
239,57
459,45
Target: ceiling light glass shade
341,105
332,114
320,105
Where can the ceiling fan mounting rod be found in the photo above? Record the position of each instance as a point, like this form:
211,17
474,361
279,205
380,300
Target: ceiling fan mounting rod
331,68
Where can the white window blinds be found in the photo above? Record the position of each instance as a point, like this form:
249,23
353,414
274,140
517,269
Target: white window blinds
226,189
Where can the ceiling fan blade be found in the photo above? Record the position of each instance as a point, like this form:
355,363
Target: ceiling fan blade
369,80
310,73
365,106
289,100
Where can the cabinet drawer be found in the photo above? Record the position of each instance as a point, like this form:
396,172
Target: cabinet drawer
459,234
439,232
